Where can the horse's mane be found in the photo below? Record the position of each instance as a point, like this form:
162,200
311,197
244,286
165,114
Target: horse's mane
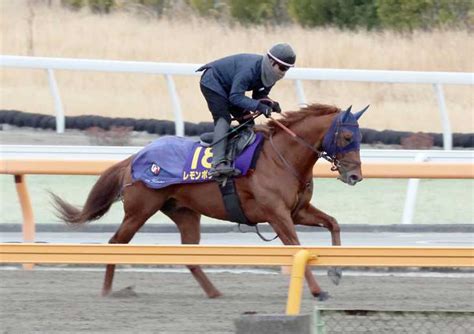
290,117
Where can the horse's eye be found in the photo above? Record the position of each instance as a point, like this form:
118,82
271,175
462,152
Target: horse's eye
344,138
347,136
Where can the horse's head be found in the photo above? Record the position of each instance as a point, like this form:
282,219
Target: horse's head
342,145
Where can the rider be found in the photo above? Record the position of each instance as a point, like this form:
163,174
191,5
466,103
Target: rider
224,83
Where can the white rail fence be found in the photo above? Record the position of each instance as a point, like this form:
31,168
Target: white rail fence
168,70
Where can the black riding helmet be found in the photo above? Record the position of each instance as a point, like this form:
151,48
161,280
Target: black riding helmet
276,62
283,54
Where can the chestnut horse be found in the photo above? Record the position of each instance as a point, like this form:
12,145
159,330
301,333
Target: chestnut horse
278,191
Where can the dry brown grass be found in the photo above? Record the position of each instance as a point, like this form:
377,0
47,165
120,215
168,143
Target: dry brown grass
122,36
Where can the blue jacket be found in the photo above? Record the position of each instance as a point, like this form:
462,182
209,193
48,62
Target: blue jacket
232,76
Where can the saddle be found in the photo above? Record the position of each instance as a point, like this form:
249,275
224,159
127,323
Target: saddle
236,142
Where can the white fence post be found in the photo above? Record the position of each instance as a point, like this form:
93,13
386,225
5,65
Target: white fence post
412,191
178,116
447,135
58,106
300,92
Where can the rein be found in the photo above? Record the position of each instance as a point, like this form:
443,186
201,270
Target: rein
249,119
258,233
320,154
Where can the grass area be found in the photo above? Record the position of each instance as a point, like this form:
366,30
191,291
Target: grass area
373,201
124,36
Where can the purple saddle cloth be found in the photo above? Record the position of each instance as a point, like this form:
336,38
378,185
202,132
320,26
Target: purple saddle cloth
172,160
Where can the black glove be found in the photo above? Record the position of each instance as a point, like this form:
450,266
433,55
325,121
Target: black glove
272,104
264,109
276,107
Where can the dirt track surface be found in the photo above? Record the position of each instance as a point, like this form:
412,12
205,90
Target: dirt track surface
69,301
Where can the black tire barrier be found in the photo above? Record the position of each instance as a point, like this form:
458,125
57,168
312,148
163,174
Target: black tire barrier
163,127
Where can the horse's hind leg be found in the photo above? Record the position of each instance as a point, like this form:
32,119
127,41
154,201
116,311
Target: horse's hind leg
188,223
137,212
130,225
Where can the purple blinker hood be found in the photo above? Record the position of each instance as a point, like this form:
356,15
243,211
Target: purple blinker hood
345,121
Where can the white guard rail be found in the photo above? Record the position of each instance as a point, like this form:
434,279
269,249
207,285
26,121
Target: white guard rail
121,152
437,79
113,152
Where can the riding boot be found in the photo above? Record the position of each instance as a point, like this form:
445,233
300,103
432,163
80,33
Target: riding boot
220,165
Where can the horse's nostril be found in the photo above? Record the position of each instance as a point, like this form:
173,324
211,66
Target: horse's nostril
355,178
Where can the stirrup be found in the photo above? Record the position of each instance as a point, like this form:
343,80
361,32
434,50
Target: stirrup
221,170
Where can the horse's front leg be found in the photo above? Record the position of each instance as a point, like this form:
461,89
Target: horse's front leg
285,229
310,216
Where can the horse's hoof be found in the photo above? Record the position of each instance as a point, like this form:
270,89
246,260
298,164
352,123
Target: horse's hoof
335,274
322,296
215,294
127,292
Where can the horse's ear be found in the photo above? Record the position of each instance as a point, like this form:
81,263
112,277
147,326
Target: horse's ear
360,113
345,114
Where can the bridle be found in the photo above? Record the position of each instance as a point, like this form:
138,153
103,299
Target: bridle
335,163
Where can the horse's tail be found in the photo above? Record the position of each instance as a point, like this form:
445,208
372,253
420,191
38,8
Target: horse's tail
104,193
